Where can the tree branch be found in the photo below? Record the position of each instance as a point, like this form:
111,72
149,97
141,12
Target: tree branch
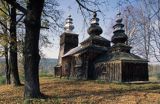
4,25
20,19
3,11
81,5
17,6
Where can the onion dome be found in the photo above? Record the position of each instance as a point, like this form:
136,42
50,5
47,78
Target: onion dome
119,33
68,27
94,29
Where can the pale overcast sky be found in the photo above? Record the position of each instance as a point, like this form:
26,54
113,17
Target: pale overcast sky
105,22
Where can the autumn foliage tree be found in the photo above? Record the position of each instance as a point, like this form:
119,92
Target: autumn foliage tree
4,37
8,24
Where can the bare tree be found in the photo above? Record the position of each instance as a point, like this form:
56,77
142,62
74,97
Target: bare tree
141,27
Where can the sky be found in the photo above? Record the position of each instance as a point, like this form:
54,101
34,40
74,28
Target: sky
109,12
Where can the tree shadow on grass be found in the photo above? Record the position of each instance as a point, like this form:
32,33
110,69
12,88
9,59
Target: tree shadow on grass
111,93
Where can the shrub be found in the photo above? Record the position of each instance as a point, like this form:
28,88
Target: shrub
2,80
21,77
158,76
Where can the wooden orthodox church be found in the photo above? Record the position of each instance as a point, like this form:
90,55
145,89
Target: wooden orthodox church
95,58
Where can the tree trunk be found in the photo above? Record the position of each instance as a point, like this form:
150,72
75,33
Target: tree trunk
31,48
8,72
13,65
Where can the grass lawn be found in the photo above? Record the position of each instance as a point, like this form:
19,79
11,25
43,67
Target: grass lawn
85,92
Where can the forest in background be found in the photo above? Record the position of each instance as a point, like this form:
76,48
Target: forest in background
46,68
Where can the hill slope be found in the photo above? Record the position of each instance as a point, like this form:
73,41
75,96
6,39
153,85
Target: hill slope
47,63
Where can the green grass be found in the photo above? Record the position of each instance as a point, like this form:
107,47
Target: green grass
45,74
100,81
41,74
149,87
2,80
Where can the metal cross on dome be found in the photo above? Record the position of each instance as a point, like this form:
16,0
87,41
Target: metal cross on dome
119,6
69,10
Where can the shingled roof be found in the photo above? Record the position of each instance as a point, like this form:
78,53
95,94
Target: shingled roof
121,56
82,49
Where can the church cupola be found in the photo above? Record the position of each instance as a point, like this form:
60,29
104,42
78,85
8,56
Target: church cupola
119,33
68,27
94,29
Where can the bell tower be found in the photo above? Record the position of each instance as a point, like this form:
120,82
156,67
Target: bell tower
68,40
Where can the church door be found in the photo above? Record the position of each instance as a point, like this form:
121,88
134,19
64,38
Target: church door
91,73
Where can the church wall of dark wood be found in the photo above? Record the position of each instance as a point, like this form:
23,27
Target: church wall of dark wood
73,69
109,71
82,71
134,71
122,71
57,71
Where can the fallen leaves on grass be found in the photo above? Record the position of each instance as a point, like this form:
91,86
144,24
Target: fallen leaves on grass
86,92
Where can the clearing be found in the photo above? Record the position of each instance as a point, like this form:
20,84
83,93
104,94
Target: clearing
85,92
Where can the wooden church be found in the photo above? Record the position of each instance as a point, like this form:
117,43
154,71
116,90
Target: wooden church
95,58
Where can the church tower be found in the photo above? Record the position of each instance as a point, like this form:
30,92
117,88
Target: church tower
68,40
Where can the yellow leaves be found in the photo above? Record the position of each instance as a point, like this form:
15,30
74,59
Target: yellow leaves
4,40
85,92
3,16
8,93
3,9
